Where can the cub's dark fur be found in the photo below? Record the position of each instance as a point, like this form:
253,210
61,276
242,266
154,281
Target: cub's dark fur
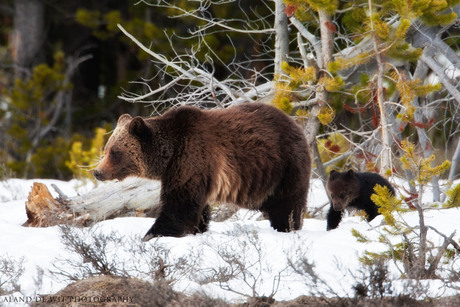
252,155
352,189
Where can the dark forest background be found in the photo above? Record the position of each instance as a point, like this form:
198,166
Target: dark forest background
64,64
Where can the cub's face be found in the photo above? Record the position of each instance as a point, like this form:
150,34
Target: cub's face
343,188
122,153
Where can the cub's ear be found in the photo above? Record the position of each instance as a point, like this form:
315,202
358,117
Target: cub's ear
123,119
332,174
350,174
138,127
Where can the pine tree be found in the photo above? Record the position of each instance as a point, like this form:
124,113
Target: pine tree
419,257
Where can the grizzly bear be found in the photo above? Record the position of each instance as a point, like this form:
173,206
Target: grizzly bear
352,189
252,155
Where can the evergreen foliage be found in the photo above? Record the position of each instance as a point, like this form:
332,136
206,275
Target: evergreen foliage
292,90
387,203
421,167
419,257
453,197
30,107
82,161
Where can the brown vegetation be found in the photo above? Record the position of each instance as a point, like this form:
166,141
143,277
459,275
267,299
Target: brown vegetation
115,291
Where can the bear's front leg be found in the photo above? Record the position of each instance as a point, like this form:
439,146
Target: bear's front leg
333,218
164,226
179,217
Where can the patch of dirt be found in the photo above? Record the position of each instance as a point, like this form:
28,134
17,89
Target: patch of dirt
119,291
400,301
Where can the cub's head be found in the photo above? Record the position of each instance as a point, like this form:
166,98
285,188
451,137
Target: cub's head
343,188
136,148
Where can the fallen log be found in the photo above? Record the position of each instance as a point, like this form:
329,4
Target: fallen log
130,197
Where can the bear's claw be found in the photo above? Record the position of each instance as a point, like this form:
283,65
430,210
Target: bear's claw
148,237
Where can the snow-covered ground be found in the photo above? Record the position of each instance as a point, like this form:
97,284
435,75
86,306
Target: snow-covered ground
199,260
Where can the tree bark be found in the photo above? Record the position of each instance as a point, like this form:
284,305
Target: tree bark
28,35
455,162
327,41
385,157
282,36
420,73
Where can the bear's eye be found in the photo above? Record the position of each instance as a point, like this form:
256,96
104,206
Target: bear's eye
114,154
342,195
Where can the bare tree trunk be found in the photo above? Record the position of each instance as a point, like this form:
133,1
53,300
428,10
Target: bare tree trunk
282,36
320,169
385,158
327,41
28,35
455,161
327,38
420,73
419,264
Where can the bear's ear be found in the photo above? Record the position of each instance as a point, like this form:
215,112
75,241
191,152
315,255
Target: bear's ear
123,119
350,174
332,174
138,127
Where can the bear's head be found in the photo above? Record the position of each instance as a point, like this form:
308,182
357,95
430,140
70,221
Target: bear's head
343,188
136,148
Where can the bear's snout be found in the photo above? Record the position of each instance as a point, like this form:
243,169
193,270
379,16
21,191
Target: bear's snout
338,206
98,175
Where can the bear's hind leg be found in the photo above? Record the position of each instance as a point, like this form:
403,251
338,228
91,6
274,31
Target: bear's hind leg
371,213
204,221
285,213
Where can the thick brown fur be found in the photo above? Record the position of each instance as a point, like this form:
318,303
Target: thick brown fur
252,155
352,189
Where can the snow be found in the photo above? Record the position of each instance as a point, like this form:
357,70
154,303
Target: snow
197,259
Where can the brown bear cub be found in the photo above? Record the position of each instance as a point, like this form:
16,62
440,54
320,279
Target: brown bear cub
352,189
252,155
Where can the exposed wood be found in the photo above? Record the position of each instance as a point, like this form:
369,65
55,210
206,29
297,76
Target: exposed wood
41,208
130,197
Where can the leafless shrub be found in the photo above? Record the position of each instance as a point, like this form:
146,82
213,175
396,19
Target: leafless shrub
375,281
92,249
241,266
13,191
10,272
318,287
112,254
154,261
